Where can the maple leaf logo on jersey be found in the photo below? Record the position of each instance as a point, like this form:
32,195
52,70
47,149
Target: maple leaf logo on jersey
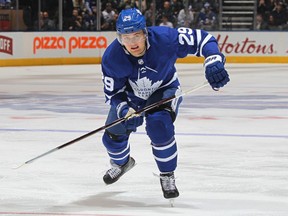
143,87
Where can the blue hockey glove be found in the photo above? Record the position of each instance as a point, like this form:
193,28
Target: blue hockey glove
215,72
132,122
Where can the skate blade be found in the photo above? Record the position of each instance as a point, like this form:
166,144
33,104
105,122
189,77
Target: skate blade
172,202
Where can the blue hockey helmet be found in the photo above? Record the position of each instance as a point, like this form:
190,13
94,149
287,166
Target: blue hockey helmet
130,20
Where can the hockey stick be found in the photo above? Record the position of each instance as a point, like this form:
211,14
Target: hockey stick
137,113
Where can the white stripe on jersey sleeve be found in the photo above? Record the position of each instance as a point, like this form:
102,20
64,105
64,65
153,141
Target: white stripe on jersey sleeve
206,39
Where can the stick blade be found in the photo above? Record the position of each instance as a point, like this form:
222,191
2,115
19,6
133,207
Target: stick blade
19,166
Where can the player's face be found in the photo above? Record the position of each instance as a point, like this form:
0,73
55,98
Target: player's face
134,43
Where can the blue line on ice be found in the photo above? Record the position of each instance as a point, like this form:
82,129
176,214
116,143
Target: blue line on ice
143,133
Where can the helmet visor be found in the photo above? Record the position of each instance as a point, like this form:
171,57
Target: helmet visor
132,38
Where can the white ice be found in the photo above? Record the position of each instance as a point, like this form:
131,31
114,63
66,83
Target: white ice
232,144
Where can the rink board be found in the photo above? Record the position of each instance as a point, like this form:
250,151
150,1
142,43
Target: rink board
62,48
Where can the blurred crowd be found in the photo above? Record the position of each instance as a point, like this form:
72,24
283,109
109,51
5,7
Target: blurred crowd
81,15
272,15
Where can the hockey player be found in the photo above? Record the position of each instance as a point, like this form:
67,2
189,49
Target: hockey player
138,70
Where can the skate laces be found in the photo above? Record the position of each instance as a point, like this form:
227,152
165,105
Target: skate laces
167,181
114,171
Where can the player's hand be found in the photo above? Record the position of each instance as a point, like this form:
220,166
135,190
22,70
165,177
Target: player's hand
132,121
215,72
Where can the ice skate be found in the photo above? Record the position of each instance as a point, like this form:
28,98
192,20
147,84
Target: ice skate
116,171
167,181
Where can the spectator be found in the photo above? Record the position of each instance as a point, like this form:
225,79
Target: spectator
108,21
197,5
176,6
165,22
261,7
47,24
143,5
68,7
207,18
260,23
87,5
149,15
89,21
166,11
8,4
159,4
2,3
94,11
214,5
186,17
279,15
126,4
75,22
39,21
271,24
93,4
79,4
271,5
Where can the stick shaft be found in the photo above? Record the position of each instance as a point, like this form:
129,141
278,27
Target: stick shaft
147,108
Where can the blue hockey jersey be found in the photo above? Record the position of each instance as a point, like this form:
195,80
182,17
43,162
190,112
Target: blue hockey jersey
129,78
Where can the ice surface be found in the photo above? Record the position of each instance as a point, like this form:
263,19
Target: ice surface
233,146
